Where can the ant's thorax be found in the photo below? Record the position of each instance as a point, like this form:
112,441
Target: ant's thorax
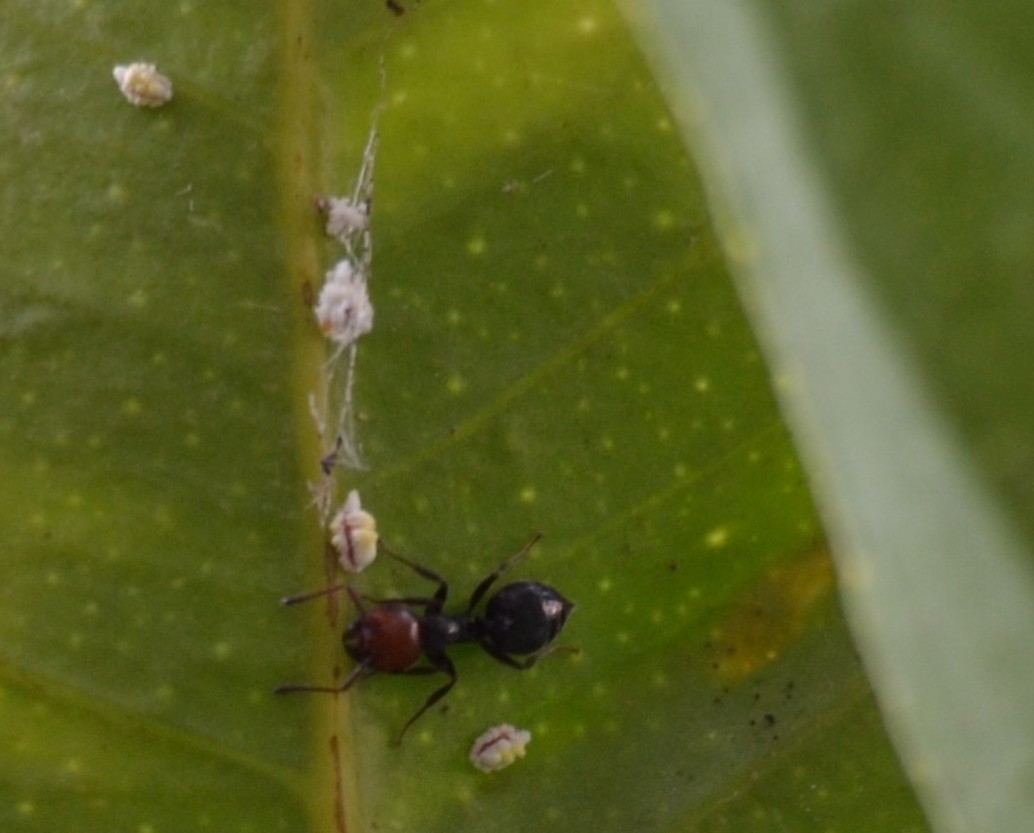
440,630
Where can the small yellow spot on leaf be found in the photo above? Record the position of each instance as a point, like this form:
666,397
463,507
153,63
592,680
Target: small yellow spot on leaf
769,615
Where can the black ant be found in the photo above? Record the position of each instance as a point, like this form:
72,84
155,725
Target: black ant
522,618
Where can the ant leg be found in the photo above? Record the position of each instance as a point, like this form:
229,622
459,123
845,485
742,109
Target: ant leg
530,660
358,673
482,588
443,586
444,665
422,601
420,671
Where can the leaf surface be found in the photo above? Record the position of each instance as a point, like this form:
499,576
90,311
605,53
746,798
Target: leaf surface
558,347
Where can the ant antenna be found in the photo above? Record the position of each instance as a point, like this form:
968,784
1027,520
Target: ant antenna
287,601
520,556
524,550
490,579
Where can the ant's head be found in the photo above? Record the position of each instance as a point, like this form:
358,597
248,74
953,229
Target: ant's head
385,639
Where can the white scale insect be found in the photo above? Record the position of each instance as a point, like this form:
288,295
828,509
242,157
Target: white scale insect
499,747
142,84
344,311
344,217
354,535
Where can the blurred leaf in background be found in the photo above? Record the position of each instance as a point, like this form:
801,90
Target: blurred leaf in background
871,165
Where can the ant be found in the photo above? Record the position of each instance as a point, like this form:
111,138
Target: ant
522,618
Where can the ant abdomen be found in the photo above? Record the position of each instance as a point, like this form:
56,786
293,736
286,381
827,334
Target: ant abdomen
524,617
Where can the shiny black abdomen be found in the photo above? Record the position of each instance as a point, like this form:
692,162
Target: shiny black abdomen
524,617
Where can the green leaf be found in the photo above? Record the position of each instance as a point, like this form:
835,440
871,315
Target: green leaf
872,165
558,347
